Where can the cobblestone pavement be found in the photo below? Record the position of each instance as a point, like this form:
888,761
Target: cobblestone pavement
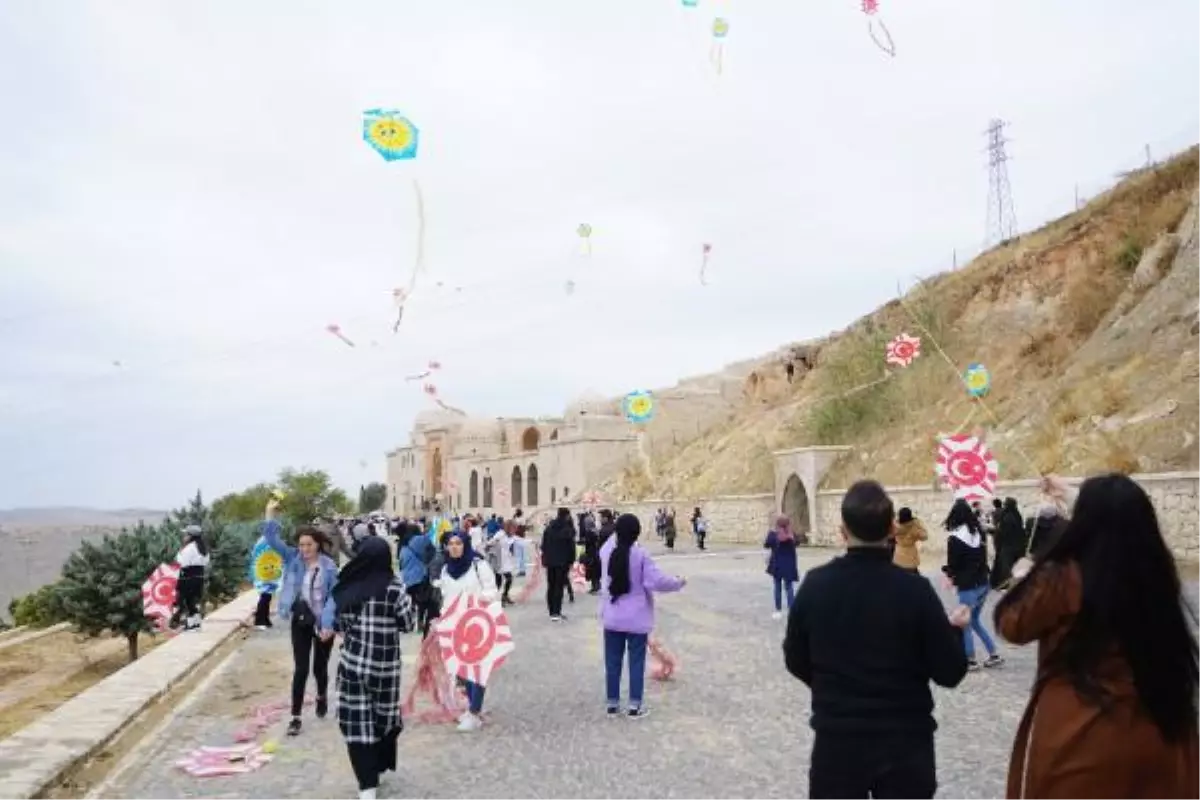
732,723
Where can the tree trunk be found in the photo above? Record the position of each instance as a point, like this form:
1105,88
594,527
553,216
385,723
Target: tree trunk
132,640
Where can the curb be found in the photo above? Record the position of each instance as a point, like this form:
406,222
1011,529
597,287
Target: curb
12,639
35,757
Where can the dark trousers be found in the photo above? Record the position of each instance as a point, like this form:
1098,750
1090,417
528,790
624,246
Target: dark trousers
262,613
557,580
371,760
422,597
872,765
504,584
305,645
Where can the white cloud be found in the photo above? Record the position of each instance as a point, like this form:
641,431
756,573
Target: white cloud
187,193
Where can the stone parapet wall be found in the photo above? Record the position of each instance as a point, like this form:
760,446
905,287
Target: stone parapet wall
744,519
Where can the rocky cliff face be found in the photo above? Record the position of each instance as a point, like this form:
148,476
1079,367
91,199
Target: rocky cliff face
1087,326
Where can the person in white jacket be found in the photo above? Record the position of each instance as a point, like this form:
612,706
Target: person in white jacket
467,573
502,552
192,561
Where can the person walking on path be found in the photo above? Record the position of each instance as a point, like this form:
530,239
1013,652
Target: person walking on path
629,580
909,534
867,639
305,598
669,530
1009,537
416,556
967,568
503,560
373,609
782,565
1112,712
466,572
590,539
699,528
193,561
558,553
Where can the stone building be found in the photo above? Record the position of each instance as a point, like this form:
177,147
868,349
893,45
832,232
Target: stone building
499,465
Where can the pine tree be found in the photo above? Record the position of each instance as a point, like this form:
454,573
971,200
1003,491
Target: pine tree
101,585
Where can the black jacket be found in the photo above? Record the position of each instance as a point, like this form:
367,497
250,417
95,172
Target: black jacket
966,566
868,637
558,544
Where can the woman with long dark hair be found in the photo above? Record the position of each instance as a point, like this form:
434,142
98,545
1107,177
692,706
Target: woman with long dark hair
305,598
193,561
1009,536
1113,710
373,609
967,568
629,578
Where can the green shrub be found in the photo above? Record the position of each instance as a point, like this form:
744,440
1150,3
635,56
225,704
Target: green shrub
1129,252
39,609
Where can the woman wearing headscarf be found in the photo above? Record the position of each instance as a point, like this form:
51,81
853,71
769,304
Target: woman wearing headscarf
1009,537
590,539
909,534
373,609
192,561
1112,712
416,556
781,563
305,598
467,573
967,568
629,580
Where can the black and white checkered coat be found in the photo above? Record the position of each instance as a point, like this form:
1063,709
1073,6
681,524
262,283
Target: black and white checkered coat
368,675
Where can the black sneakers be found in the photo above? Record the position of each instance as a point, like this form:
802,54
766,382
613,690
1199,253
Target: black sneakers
322,707
294,727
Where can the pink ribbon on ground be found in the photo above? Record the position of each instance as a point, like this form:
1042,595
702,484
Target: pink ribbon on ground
662,662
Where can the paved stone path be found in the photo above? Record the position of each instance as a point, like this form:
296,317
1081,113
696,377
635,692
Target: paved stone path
731,723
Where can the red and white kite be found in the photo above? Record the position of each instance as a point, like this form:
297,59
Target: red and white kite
903,350
474,637
430,389
592,499
158,594
966,465
579,575
210,762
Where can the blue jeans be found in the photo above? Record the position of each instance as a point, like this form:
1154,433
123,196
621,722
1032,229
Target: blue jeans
615,643
791,592
974,600
475,697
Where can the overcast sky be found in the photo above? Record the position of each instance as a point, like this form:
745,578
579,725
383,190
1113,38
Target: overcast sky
186,192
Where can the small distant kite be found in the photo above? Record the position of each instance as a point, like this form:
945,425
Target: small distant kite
690,3
716,53
870,8
977,379
584,232
705,250
430,368
390,134
337,331
903,350
966,465
638,406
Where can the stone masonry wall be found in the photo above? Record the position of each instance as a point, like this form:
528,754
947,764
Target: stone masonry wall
745,519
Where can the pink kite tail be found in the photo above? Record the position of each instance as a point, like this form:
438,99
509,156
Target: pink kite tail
531,585
433,680
662,662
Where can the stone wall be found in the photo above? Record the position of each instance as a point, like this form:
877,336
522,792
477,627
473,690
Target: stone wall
744,519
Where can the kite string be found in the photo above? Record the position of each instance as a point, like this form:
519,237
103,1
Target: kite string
420,265
959,375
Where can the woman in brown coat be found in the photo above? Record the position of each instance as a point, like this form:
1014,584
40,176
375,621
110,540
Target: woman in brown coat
1113,708
909,531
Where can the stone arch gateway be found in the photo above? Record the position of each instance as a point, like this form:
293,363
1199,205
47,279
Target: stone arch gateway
795,505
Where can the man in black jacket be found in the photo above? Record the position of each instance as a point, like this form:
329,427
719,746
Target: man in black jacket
867,638
558,554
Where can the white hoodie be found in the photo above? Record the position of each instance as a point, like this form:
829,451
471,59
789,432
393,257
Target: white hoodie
190,556
479,580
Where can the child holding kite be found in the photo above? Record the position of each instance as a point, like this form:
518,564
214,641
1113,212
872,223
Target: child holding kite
466,572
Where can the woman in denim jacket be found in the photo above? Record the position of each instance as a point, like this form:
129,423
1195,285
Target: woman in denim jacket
305,598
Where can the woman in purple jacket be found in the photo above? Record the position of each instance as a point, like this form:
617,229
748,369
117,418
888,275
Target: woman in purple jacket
629,578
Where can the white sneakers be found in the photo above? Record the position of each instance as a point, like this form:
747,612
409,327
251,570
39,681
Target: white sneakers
366,794
777,615
469,722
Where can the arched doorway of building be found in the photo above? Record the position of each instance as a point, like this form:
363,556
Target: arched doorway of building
435,479
473,489
515,489
795,505
531,480
487,491
530,439
551,495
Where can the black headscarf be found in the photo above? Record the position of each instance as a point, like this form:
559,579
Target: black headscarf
457,567
628,529
366,577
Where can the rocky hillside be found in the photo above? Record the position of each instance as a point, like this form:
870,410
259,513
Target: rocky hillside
1088,327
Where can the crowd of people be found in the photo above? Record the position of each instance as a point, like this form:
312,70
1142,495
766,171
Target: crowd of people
1113,708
